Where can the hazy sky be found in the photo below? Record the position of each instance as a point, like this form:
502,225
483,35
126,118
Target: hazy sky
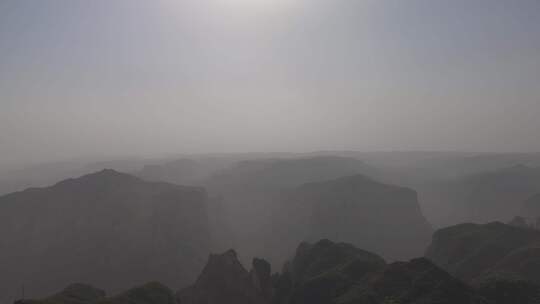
112,77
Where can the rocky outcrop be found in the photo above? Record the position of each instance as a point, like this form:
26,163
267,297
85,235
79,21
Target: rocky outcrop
225,280
107,229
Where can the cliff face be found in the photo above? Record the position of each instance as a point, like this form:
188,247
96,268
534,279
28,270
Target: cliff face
382,218
107,229
225,280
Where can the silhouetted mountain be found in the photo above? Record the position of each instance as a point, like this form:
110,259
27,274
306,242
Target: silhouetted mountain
382,218
225,280
470,251
108,229
330,272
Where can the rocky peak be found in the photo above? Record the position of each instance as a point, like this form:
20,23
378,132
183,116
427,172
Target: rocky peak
261,277
225,280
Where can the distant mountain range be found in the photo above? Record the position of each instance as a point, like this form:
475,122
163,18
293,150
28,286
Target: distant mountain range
116,231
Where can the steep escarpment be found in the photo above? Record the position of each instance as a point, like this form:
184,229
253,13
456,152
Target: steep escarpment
378,217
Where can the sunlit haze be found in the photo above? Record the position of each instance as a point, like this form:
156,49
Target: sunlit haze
85,78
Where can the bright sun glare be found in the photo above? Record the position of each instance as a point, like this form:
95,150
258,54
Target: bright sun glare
248,5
